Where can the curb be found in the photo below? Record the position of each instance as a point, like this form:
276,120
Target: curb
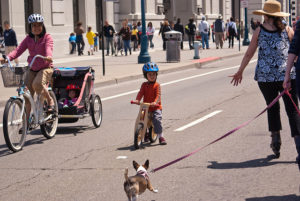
179,68
194,64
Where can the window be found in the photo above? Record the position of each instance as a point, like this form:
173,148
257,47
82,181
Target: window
28,10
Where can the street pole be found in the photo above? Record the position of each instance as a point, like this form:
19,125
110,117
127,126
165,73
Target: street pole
102,39
290,17
240,38
144,56
246,37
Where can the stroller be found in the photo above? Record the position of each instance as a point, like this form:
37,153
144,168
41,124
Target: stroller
118,44
87,104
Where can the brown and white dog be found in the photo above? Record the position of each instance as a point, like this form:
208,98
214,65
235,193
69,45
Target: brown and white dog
136,185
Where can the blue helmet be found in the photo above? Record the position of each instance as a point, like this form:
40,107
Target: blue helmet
150,67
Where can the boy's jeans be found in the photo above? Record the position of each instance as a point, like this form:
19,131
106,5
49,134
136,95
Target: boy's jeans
157,121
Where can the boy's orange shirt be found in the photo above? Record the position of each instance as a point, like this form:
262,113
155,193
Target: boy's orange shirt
150,92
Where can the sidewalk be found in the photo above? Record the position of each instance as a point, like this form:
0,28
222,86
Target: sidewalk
124,68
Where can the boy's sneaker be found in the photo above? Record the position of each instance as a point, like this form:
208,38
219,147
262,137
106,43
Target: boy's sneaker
162,141
147,137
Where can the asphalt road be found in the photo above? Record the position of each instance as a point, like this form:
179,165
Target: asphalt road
82,163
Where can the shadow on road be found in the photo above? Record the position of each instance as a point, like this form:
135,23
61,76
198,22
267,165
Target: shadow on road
276,198
261,162
75,130
4,151
131,147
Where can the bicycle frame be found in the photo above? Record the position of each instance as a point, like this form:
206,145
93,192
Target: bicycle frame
35,108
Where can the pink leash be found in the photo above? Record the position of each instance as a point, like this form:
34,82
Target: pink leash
230,132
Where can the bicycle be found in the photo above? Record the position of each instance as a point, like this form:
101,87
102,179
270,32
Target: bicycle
15,122
143,125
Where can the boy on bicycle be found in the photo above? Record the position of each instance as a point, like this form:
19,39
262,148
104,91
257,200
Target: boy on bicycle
151,93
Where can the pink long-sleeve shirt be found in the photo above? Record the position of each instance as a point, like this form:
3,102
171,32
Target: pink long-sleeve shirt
44,47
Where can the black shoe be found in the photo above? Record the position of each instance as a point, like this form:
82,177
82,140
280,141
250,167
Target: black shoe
276,143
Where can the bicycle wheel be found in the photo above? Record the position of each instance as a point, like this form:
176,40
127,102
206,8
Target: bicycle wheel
153,136
14,125
96,110
49,128
138,136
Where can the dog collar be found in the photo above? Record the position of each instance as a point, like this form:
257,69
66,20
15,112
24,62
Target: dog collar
143,173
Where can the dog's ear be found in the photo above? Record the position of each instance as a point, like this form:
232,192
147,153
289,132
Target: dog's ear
135,165
146,165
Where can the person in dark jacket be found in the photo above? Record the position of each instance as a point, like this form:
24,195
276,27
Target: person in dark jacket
163,29
219,29
179,27
125,32
109,35
191,31
10,40
79,38
294,53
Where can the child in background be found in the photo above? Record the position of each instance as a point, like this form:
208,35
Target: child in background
151,93
90,35
96,42
72,40
73,93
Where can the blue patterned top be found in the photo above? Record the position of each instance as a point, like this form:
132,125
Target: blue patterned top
272,56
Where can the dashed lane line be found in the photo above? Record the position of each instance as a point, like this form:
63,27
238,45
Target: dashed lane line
198,121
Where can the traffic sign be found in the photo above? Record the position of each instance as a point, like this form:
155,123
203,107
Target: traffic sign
244,3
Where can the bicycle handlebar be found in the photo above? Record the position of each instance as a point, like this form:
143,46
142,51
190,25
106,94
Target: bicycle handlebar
36,56
136,103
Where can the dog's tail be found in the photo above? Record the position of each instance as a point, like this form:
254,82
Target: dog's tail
126,174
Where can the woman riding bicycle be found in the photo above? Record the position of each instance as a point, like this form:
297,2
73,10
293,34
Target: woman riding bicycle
37,42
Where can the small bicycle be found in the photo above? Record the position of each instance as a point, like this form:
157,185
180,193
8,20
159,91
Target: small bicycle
143,126
15,122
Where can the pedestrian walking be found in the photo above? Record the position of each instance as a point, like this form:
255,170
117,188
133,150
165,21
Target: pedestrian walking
219,29
134,37
212,32
203,29
72,41
150,33
231,32
2,44
96,42
109,32
179,27
79,38
90,35
139,27
163,29
294,55
271,68
190,29
126,34
10,40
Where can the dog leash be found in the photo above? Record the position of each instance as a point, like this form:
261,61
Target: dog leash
228,133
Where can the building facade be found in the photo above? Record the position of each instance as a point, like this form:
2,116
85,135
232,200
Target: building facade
62,15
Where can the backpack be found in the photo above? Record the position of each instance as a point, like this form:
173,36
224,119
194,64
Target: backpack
231,30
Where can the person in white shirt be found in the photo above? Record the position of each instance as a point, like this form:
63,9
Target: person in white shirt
231,31
150,33
203,28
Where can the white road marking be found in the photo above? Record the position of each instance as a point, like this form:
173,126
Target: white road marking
1,125
121,157
174,81
198,121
